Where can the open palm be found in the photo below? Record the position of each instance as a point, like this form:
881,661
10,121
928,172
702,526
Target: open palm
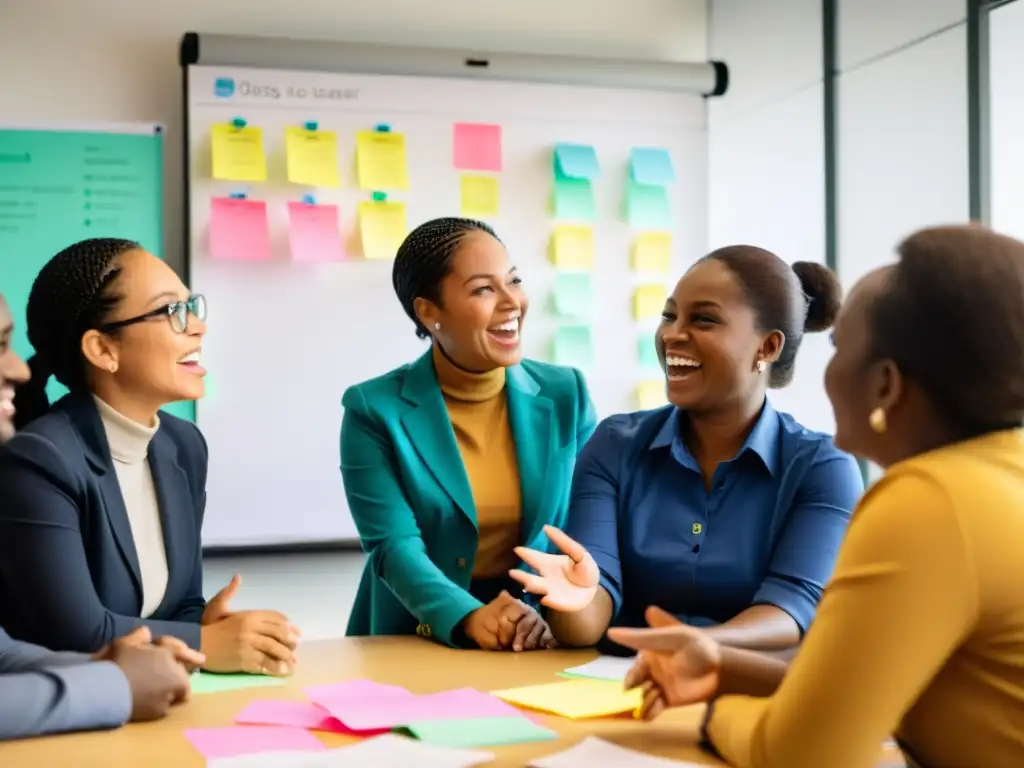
566,582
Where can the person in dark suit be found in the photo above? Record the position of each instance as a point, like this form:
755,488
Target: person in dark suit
103,499
451,462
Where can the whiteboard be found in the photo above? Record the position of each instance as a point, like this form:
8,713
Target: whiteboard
1006,118
286,339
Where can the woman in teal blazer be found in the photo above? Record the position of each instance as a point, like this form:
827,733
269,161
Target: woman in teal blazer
453,461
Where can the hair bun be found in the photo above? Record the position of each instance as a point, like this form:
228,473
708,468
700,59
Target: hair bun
823,292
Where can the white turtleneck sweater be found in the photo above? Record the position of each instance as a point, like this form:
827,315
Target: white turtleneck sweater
129,448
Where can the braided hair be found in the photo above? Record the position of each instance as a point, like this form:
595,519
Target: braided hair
425,258
73,293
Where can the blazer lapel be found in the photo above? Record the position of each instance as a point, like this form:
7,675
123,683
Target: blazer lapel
176,506
530,418
430,431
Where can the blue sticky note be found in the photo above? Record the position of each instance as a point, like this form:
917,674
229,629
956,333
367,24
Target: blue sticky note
647,207
574,346
573,295
576,161
648,165
573,199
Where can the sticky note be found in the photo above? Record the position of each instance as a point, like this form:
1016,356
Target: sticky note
649,165
480,732
576,699
252,739
238,230
382,228
652,252
647,353
293,714
209,682
376,714
380,160
312,157
575,161
237,153
476,147
480,196
647,207
573,295
313,233
573,199
358,690
573,346
603,668
650,394
572,247
649,301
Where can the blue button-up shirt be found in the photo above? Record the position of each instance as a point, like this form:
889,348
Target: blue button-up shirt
767,532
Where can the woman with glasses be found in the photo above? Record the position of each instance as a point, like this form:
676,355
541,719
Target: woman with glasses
103,498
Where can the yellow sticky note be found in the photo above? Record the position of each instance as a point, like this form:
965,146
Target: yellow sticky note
480,196
382,228
576,699
652,252
312,157
651,394
380,160
238,153
649,301
572,247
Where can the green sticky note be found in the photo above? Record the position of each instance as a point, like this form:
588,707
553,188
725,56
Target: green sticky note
647,207
573,295
574,346
647,353
573,199
209,682
479,732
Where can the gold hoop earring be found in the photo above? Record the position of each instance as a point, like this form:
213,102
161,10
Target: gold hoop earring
877,421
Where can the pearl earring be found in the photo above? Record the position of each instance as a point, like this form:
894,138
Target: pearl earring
112,367
760,366
437,326
877,421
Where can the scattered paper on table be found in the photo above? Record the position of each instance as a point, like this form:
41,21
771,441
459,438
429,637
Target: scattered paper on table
602,668
326,759
293,714
239,230
380,160
252,739
313,233
355,690
650,165
572,247
480,196
651,394
593,751
476,147
210,682
647,207
377,714
573,199
576,699
382,228
237,153
652,252
649,301
576,161
573,295
647,352
394,751
480,732
312,157
573,346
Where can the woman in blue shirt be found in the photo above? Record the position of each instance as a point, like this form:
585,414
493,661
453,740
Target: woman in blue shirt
717,508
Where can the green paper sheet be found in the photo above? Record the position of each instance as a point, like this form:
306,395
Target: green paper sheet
573,199
573,295
479,732
208,682
574,346
647,207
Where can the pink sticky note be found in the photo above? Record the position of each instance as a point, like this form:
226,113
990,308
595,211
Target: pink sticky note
356,691
313,233
477,147
252,739
238,230
294,714
463,703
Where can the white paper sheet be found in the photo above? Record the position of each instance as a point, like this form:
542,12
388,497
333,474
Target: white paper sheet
603,668
593,751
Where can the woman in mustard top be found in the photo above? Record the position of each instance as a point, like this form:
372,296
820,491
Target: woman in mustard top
921,631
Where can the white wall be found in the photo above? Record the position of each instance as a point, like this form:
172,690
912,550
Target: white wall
1006,113
766,162
118,59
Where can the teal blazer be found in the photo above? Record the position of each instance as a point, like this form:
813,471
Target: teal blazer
410,497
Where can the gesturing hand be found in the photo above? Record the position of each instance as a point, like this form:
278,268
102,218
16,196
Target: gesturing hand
677,664
567,582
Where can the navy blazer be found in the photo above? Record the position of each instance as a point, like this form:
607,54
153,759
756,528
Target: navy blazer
69,572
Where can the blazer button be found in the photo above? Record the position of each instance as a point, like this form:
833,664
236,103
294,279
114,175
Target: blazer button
426,630
460,562
419,630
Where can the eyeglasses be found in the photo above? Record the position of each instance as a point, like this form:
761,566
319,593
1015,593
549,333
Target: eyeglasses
176,312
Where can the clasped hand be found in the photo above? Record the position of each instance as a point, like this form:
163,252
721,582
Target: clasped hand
507,623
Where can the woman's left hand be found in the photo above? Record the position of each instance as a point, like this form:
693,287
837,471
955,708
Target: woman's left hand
532,632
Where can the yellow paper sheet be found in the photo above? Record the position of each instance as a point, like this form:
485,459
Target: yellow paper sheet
312,157
651,394
576,699
652,252
382,228
649,301
380,160
480,195
572,247
238,153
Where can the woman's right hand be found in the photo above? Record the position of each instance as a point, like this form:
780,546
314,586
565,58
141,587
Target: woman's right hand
567,582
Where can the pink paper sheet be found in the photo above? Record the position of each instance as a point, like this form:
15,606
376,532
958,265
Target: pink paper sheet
294,714
252,739
239,230
381,713
358,691
477,147
313,234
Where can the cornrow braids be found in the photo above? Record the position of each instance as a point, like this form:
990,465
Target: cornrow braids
424,259
73,293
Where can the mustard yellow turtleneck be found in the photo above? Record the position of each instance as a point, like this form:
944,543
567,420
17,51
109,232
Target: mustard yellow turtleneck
478,409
